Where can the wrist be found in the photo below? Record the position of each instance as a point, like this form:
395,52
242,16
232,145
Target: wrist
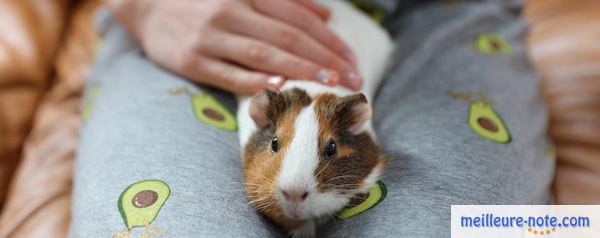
131,13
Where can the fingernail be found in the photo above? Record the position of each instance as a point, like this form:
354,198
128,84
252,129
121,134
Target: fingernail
328,77
354,80
275,82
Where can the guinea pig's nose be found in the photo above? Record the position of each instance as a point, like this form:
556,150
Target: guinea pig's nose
295,195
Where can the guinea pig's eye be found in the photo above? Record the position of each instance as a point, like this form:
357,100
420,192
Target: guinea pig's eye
330,149
275,145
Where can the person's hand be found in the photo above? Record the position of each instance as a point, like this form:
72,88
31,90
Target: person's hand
240,45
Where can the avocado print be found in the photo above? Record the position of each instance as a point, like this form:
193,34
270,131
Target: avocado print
491,44
140,203
486,122
211,112
88,105
483,119
208,110
374,197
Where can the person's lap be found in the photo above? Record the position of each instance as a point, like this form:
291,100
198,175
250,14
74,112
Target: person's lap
142,125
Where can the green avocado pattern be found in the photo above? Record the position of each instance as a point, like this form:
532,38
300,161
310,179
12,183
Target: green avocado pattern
492,44
483,119
375,196
211,112
140,203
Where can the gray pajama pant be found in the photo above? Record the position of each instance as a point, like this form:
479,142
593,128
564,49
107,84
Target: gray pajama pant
140,124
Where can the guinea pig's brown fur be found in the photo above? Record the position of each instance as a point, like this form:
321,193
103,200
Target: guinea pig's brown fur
356,158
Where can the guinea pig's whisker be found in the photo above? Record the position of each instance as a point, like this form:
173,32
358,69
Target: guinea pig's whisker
356,196
266,206
258,198
349,184
346,176
261,205
340,177
261,176
348,187
252,184
257,204
272,167
262,163
236,190
268,166
247,184
237,170
262,173
254,194
254,188
323,169
265,179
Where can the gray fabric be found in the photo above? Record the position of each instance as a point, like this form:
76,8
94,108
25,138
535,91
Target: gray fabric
138,131
396,7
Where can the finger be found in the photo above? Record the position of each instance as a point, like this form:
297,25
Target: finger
261,56
316,8
292,40
296,15
229,77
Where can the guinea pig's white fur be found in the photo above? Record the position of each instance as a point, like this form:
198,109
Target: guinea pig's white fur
373,47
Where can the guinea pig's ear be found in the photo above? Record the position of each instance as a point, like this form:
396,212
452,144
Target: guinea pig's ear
259,107
356,110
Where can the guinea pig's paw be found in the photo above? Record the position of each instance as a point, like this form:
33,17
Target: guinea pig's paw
307,230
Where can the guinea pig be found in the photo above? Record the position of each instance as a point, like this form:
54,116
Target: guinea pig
309,156
308,149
